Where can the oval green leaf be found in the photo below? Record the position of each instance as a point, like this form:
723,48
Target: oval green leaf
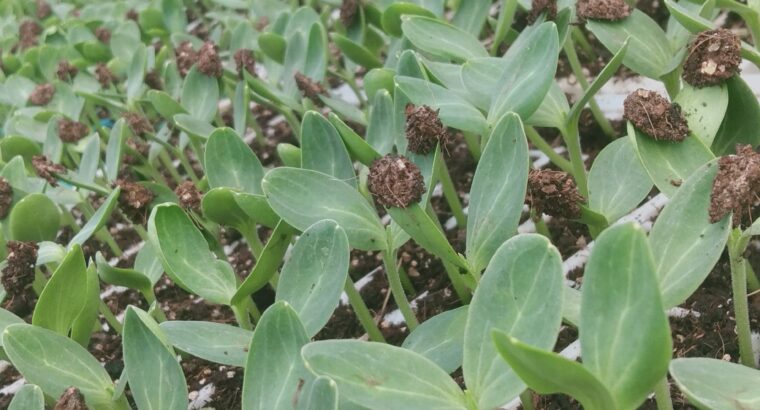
441,39
34,218
441,339
230,162
200,95
29,397
322,149
717,384
64,295
215,342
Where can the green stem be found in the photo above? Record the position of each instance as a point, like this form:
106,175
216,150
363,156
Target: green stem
506,17
575,65
103,234
252,238
166,161
541,227
450,193
741,308
577,35
295,125
90,187
472,144
456,278
573,143
110,318
672,82
150,297
362,312
397,289
241,316
662,395
535,138
526,398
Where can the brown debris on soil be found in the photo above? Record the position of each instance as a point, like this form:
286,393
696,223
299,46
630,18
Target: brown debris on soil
46,169
42,94
103,34
611,10
134,199
540,6
153,80
655,116
209,62
189,196
18,274
71,131
309,88
424,130
244,61
43,10
104,75
71,399
6,197
736,186
186,57
27,33
714,57
553,193
66,71
395,181
348,11
138,123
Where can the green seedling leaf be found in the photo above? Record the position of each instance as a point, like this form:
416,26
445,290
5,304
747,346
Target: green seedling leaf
303,197
519,294
379,79
571,306
241,107
704,109
98,220
15,146
289,154
649,52
215,342
322,149
268,262
471,15
617,182
441,339
273,46
90,161
186,256
455,111
625,336
418,224
377,375
553,111
391,19
356,52
230,162
668,163
741,125
29,397
55,363
165,104
131,278
6,319
136,74
155,377
498,188
356,145
87,320
322,396
200,95
315,63
716,384
116,139
685,244
64,295
379,134
240,211
34,218
312,280
547,372
436,37
475,79
529,67
274,359
194,126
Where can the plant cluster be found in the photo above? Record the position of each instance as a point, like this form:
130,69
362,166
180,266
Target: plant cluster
138,148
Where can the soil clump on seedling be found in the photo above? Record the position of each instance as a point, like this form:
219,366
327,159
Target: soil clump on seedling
153,80
42,94
43,10
138,124
134,199
655,116
104,75
348,11
553,193
244,61
424,129
309,88
189,196
713,57
71,399
6,197
28,31
209,62
46,169
186,57
66,71
103,34
18,274
540,6
736,186
71,131
611,10
395,181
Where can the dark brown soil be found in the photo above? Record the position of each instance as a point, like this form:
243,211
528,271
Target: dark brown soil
348,10
227,382
138,123
310,88
46,169
6,197
28,32
553,193
104,75
244,61
71,399
655,116
424,130
736,185
395,181
714,57
209,62
66,71
186,56
539,7
8,377
189,196
71,131
42,94
134,199
103,34
611,10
